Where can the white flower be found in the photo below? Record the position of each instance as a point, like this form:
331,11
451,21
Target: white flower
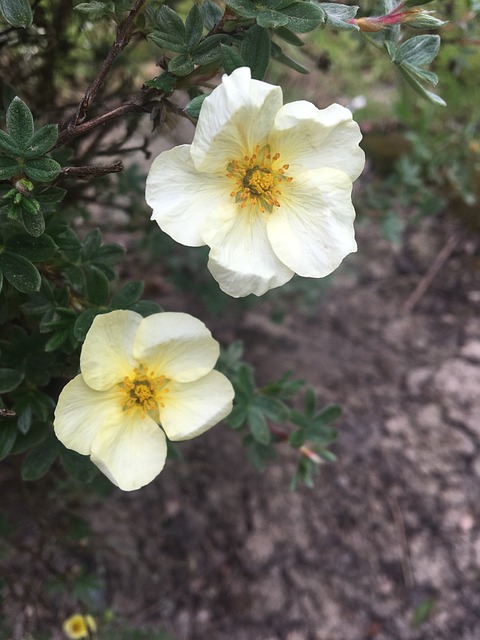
137,373
267,187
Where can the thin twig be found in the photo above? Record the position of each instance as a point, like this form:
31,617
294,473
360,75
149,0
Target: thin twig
136,103
124,34
400,526
435,267
92,171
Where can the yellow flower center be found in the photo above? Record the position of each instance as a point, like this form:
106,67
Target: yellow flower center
143,391
258,179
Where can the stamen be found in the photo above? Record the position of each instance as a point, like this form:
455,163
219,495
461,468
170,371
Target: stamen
257,179
143,391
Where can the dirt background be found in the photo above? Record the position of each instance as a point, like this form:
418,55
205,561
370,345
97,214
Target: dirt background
213,550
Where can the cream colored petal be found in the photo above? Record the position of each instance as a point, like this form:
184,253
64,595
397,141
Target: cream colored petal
313,229
107,353
130,453
81,414
234,119
311,138
241,257
190,409
181,197
176,345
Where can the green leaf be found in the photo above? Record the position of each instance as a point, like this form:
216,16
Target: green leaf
258,425
304,16
95,9
19,122
165,82
146,307
297,438
167,41
237,417
278,5
289,37
194,106
271,19
57,340
421,74
52,195
193,27
8,145
110,253
25,420
212,14
128,294
231,59
259,454
338,15
327,415
30,205
42,141
209,50
79,467
40,459
18,13
36,434
83,323
97,286
422,612
279,56
42,169
91,244
419,50
245,382
20,272
10,379
244,8
181,65
34,223
8,168
170,29
8,434
310,403
413,82
256,48
35,249
273,408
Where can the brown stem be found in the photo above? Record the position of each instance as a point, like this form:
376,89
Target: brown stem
73,130
93,171
124,34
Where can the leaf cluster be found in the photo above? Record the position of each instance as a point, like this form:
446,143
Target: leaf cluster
258,413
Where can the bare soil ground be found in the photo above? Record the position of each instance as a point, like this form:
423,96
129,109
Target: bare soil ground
212,550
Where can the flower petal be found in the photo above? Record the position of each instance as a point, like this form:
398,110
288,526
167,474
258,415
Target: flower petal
313,229
241,257
234,119
190,409
176,345
81,413
130,453
311,138
107,353
181,198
